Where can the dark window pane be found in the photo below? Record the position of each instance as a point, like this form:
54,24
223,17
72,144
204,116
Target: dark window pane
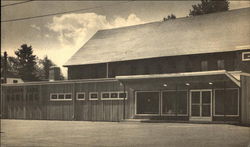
53,96
67,96
219,102
231,102
220,64
121,95
61,96
206,109
204,65
182,102
105,95
195,110
169,102
114,95
206,97
93,95
195,97
81,95
174,102
147,103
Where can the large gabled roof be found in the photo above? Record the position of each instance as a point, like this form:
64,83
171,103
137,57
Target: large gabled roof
217,32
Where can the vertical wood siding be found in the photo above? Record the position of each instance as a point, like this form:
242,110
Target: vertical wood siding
33,102
245,100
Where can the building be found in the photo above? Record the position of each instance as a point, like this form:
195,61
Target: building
191,69
11,80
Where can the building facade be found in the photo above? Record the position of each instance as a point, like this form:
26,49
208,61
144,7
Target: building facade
189,69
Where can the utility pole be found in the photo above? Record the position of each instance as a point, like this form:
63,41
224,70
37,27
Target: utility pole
5,67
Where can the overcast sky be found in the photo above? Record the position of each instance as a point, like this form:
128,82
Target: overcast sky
61,36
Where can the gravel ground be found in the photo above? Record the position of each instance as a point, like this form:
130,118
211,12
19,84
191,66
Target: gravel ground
83,133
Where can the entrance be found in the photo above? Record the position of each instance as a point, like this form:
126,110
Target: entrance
201,105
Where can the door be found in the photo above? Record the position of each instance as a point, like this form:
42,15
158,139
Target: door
201,104
147,103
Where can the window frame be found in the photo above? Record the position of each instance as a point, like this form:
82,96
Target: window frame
80,99
243,54
110,92
93,99
57,99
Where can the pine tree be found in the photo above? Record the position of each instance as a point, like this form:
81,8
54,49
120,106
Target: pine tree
27,63
209,6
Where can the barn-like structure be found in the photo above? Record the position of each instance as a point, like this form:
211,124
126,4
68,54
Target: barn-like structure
188,69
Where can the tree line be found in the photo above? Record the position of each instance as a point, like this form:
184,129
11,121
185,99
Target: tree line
205,7
27,66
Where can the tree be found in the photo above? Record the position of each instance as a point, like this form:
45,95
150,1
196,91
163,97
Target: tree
12,66
46,64
209,6
27,63
172,16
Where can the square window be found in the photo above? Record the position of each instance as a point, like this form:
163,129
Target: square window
61,96
68,96
105,95
114,95
93,96
122,95
53,96
80,96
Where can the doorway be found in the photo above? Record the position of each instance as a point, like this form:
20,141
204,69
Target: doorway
201,105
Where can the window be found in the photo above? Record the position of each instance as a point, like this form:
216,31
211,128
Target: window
105,95
220,64
204,66
122,95
226,102
60,96
68,96
174,102
246,56
114,95
93,96
80,96
147,102
15,81
53,96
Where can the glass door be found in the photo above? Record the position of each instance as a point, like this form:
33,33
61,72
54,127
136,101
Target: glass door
200,104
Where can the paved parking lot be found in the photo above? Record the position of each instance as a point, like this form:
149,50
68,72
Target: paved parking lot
79,133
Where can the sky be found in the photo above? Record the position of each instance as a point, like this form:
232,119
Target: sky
60,36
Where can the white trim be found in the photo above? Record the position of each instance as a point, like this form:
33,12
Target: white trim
173,114
69,94
58,97
233,79
78,93
136,103
93,99
172,75
201,118
238,110
243,59
118,92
